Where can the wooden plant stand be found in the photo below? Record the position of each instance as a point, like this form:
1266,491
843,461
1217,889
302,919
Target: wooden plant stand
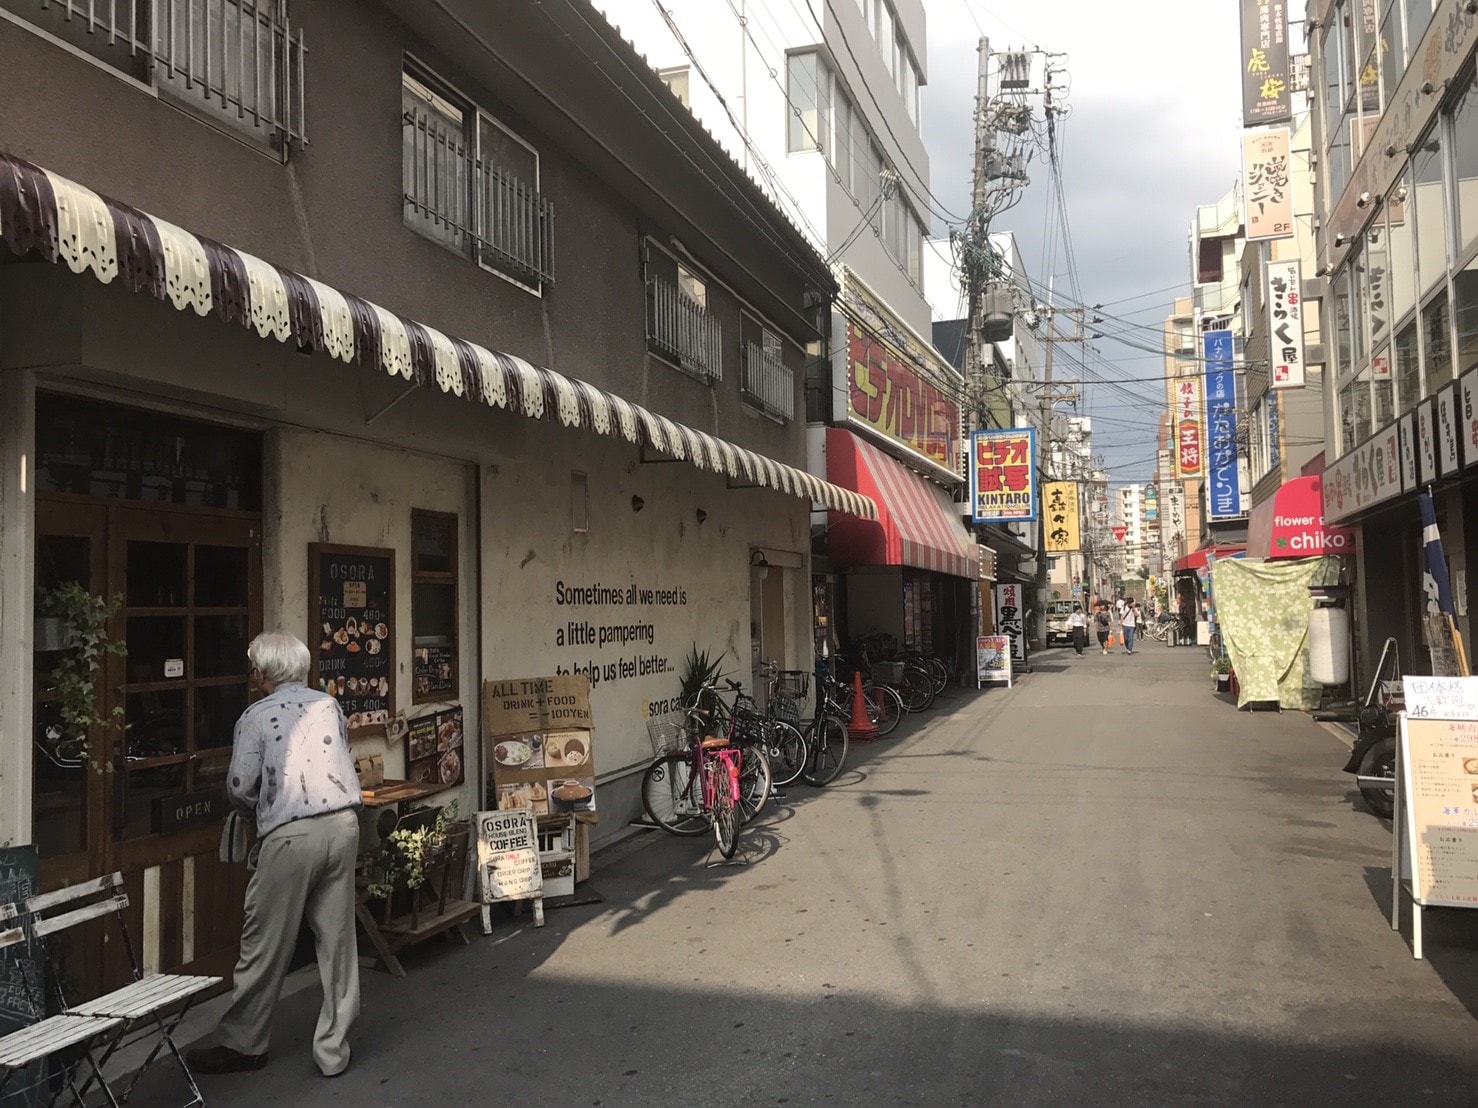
435,908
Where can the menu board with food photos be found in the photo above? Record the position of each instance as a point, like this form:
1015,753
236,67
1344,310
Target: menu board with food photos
552,769
351,597
434,749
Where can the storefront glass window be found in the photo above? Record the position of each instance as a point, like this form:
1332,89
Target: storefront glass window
1465,315
100,450
1350,55
1368,75
1342,311
1407,369
1362,416
1465,164
1347,440
1418,15
1383,398
1436,343
1392,59
1431,215
434,606
1400,252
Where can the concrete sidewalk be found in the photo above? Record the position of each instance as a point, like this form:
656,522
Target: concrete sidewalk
1104,886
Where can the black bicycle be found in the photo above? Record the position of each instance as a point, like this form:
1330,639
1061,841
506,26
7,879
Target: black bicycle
823,737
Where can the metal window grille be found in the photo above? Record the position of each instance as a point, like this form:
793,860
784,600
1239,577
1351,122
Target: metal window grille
685,331
471,204
242,62
768,382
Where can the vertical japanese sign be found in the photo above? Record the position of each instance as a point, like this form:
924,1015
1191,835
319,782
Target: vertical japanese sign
1062,533
1011,618
1285,325
1265,184
1188,428
1003,475
1224,491
1265,70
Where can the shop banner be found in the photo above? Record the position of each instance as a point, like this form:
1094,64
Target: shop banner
1003,475
1062,532
1266,95
1265,184
1224,491
1011,619
1468,418
1188,426
1368,475
1285,325
1406,439
1426,442
1449,446
993,660
897,385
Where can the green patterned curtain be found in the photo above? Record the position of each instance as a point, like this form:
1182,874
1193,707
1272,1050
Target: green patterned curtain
1263,609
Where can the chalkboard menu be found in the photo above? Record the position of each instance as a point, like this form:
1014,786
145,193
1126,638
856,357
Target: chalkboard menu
351,597
21,967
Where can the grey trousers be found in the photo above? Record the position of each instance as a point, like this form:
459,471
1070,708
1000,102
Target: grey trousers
306,866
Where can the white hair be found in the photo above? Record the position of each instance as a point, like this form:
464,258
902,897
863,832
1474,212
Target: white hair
281,657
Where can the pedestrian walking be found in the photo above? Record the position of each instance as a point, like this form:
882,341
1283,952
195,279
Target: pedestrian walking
292,772
1078,623
1129,622
1103,625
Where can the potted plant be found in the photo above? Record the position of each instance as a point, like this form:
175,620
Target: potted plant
409,852
699,670
82,642
1221,672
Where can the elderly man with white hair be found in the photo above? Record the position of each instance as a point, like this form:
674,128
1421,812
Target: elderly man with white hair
291,770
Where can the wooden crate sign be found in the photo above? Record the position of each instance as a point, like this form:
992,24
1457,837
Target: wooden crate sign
520,705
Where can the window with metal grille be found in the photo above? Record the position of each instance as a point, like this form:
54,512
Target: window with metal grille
473,185
236,63
680,327
768,382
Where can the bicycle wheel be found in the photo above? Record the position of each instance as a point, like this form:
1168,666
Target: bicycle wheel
828,751
754,783
938,672
884,707
916,689
785,747
671,796
725,822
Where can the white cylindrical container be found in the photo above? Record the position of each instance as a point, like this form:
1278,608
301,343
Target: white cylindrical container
1329,646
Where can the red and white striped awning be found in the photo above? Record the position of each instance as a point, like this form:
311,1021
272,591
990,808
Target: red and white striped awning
46,215
917,523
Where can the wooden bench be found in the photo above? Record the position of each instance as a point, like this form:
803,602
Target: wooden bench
153,1003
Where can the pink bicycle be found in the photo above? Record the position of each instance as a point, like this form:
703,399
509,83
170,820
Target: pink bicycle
686,789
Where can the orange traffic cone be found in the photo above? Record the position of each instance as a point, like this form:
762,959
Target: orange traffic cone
861,727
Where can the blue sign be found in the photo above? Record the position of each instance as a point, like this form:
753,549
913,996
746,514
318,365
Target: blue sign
1003,475
1223,488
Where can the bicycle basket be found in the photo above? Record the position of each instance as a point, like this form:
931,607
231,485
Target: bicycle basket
786,708
793,683
888,673
668,733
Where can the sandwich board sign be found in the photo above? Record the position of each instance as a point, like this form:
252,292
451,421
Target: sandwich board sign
508,864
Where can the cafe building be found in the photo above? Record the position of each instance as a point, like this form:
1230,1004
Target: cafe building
246,384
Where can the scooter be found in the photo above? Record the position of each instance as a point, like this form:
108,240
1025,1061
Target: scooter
1373,757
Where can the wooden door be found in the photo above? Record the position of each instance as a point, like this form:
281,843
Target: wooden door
189,581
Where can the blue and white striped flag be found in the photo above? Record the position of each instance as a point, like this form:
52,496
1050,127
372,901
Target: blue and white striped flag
1436,560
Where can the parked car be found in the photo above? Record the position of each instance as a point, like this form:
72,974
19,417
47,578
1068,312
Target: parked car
1057,625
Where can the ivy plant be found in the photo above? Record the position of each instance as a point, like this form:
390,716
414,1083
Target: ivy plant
86,644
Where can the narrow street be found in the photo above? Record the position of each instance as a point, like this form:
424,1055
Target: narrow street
1105,886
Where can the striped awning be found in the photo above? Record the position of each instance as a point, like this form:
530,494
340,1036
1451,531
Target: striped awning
46,215
917,525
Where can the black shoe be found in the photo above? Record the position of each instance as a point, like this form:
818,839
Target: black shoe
222,1059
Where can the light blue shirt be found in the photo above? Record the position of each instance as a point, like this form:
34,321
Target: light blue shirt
290,759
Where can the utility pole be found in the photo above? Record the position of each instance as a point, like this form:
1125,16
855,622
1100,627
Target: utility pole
1051,394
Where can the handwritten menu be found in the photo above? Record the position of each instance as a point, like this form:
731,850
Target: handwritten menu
1440,787
1441,697
21,967
508,855
351,594
434,749
435,672
540,745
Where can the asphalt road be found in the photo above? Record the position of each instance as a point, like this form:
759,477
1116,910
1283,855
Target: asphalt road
1105,886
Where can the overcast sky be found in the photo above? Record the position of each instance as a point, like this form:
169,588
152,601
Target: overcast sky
1154,131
